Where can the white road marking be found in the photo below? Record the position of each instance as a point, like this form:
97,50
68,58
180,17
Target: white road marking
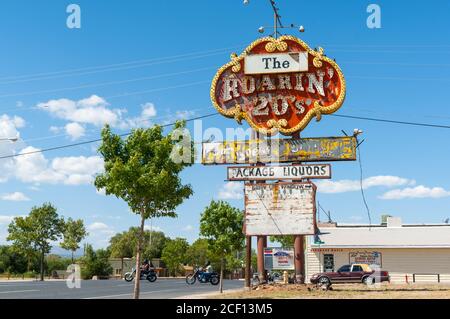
131,294
16,291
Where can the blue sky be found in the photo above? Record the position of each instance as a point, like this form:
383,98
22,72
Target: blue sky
141,62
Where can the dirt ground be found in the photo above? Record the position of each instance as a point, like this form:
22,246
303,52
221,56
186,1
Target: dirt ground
347,291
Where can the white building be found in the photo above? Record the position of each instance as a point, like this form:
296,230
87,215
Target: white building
407,252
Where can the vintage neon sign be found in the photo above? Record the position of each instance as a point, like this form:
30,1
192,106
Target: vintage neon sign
278,85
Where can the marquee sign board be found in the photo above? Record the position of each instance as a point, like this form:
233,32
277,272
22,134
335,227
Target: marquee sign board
372,258
322,149
280,209
279,258
294,172
278,85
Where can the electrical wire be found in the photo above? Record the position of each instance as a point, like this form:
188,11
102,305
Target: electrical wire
159,76
390,121
362,186
113,67
213,114
96,140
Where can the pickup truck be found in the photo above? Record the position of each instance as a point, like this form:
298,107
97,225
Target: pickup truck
354,273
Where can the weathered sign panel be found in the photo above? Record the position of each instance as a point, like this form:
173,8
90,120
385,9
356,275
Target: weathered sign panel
279,258
321,149
372,258
278,85
276,63
294,172
280,209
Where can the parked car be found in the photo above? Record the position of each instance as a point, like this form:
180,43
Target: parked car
354,273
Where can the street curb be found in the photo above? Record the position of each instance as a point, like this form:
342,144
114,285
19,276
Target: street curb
209,294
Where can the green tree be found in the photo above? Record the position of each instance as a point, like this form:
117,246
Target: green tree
121,245
11,261
286,241
55,262
74,233
154,243
37,231
222,224
95,263
174,254
198,253
143,171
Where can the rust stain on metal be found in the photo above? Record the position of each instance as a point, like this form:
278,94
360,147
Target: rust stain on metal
280,150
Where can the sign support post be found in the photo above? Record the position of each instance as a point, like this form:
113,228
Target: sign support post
248,261
299,248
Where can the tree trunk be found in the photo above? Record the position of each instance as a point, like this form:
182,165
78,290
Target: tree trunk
138,259
42,265
221,275
121,268
72,257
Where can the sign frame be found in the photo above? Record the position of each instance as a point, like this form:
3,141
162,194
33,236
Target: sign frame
279,177
280,233
298,150
300,115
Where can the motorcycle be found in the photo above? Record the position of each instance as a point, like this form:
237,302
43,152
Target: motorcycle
270,276
149,275
203,277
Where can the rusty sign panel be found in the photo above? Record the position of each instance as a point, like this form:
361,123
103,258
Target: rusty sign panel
294,172
319,149
280,209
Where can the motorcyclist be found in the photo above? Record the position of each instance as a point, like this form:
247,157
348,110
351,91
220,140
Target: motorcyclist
145,268
208,267
206,271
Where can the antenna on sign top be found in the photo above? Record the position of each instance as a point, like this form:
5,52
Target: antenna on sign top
277,24
328,214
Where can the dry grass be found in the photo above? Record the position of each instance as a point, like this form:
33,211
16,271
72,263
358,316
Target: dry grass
350,291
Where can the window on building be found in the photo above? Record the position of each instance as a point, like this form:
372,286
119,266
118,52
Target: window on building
328,262
118,271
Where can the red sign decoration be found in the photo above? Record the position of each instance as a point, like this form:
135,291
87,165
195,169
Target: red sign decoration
278,85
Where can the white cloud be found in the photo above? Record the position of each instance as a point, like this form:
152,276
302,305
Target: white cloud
342,186
416,192
92,110
143,120
231,190
99,234
74,130
183,115
9,129
55,129
35,168
188,228
98,226
15,197
95,110
148,110
6,220
153,228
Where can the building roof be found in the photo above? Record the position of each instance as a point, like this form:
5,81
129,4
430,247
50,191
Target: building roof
364,236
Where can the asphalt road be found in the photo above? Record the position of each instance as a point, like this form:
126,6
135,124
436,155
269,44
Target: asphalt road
108,289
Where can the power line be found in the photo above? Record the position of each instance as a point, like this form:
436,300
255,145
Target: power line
112,67
390,121
107,83
213,114
96,140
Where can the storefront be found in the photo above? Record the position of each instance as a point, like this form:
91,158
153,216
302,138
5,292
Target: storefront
419,253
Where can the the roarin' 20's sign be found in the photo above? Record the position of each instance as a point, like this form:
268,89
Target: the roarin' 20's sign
278,85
